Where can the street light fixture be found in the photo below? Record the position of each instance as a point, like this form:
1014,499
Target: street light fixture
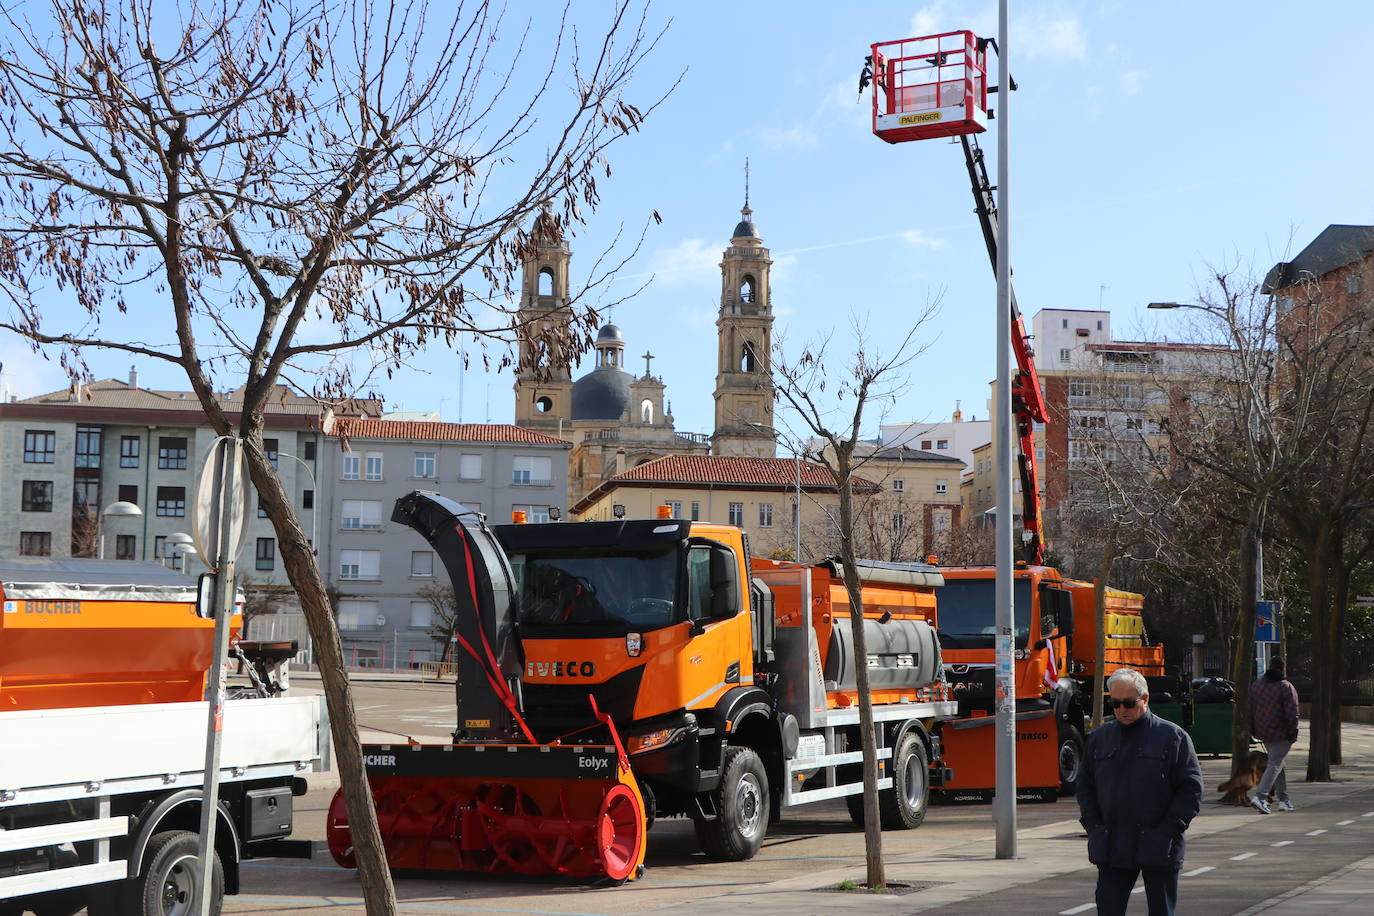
314,513
119,509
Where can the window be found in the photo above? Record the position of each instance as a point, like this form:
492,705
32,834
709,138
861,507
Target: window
696,511
309,450
171,502
39,445
675,508
765,515
267,553
1040,456
38,496
372,467
354,614
1134,423
262,513
35,543
925,445
129,448
159,546
171,452
531,471
898,484
534,515
421,614
941,443
941,486
470,467
422,564
898,521
128,493
351,464
737,514
307,499
270,447
1064,354
1352,283
1065,324
1099,325
424,464
126,547
86,497
360,564
940,521
88,439
363,514
646,411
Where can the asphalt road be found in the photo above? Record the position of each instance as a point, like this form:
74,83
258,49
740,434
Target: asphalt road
1236,858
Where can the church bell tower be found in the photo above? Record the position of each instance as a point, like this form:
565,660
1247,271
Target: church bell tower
543,377
744,382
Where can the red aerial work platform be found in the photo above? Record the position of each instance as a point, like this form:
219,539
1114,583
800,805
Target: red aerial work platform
935,86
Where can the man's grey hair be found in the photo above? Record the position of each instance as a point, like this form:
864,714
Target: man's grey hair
1131,677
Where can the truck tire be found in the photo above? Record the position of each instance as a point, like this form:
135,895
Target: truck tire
1071,749
741,803
166,884
902,807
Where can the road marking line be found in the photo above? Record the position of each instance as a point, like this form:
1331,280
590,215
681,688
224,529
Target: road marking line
1282,843
1344,823
1199,871
1078,909
1368,814
1315,832
1243,856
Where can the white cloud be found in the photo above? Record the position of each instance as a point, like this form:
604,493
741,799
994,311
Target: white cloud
798,136
686,262
1050,31
24,373
918,239
1132,83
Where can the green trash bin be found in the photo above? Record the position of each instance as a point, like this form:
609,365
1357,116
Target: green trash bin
1211,728
1172,712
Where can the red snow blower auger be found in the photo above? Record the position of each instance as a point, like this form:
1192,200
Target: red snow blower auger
496,800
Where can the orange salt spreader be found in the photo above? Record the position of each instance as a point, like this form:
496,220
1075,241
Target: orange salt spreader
81,632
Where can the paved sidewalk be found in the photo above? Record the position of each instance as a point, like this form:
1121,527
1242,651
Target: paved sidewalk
1343,893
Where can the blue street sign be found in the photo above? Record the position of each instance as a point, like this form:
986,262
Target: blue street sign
1267,615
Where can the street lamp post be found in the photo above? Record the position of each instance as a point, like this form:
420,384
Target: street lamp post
176,545
314,513
119,509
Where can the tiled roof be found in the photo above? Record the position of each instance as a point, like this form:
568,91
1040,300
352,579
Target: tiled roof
727,469
354,428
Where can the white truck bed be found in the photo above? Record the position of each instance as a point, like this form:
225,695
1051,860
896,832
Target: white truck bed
57,754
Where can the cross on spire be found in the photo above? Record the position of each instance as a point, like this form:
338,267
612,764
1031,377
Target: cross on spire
648,358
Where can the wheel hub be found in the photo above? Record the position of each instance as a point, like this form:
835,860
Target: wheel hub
748,802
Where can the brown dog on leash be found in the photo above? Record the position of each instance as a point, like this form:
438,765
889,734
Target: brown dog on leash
1236,790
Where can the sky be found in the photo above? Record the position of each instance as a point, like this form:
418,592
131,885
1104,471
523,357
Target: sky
1149,144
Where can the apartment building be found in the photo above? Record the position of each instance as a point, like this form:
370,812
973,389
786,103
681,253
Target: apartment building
760,495
383,571
67,456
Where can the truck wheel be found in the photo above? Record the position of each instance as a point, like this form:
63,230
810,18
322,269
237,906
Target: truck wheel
1070,760
902,807
741,802
167,884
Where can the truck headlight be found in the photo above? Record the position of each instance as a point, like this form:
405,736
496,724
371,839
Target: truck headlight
660,737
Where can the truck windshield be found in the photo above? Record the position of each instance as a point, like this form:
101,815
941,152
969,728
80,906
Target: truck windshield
966,615
596,592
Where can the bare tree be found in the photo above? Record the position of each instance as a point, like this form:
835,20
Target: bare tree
443,604
832,408
262,190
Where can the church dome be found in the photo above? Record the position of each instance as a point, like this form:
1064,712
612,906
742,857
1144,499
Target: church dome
602,394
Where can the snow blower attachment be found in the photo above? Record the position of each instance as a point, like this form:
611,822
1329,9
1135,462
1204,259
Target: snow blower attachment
496,800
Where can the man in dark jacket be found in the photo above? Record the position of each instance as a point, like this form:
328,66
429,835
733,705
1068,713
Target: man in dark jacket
1139,789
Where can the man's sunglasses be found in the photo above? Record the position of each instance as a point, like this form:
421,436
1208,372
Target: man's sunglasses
1129,703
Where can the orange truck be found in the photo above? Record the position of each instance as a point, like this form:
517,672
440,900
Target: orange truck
615,672
102,741
1055,646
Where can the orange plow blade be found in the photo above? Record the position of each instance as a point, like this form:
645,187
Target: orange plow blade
573,811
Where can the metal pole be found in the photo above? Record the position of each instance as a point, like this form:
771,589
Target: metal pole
215,683
1004,802
796,516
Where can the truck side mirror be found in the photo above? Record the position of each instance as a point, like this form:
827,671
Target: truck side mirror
723,591
1063,612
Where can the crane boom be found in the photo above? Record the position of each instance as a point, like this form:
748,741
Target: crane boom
1027,402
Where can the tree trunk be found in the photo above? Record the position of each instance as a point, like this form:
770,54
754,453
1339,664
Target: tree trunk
1323,661
1243,647
298,558
873,828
